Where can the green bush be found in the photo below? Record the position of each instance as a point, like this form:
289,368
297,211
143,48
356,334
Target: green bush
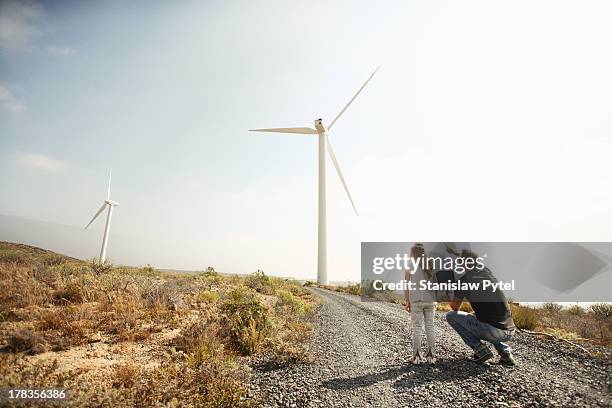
288,301
207,296
355,289
246,320
367,288
148,271
260,282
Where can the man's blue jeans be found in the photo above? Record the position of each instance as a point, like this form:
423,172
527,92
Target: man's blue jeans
472,331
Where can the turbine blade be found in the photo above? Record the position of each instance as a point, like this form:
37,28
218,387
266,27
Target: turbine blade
110,175
96,216
300,130
352,99
330,150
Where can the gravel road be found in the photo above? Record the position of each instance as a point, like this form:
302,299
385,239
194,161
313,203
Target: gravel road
361,351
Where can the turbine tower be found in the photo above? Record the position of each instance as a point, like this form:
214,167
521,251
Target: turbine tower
322,131
108,203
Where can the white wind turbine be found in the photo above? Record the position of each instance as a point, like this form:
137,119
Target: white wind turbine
324,144
108,203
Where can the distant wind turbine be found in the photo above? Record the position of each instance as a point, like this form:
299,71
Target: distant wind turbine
324,144
108,203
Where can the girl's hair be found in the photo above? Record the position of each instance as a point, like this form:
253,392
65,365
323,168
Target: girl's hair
417,251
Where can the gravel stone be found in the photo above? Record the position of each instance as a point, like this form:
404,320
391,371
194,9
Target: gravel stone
361,356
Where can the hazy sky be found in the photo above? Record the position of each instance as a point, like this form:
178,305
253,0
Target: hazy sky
488,121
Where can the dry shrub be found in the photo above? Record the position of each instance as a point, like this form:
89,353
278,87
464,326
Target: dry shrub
213,379
50,276
245,320
208,377
552,307
576,310
16,257
124,317
100,268
601,311
221,379
112,285
16,371
195,335
129,318
165,294
355,289
19,289
125,375
524,317
562,333
71,293
53,259
289,341
65,327
28,341
602,314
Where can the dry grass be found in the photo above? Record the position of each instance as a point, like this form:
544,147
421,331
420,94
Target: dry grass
193,328
524,317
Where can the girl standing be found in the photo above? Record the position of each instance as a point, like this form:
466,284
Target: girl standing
422,307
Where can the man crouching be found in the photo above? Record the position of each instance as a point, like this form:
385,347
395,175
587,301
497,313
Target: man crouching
491,320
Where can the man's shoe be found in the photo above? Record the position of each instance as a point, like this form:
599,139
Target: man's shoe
506,359
482,354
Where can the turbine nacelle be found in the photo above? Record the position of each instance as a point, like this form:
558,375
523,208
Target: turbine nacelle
319,126
111,202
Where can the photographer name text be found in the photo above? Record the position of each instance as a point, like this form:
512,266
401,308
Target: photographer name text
424,284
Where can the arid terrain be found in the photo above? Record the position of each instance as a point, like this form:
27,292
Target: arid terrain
119,336
122,336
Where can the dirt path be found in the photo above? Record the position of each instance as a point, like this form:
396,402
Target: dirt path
361,352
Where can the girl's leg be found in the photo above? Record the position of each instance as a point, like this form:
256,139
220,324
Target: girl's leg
429,313
416,316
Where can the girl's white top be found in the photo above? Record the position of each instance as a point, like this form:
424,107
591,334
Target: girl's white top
418,294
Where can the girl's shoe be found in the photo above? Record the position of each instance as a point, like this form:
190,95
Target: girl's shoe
416,359
430,358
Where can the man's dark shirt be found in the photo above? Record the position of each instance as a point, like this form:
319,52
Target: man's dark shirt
489,306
